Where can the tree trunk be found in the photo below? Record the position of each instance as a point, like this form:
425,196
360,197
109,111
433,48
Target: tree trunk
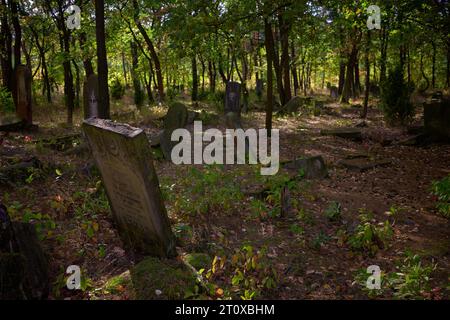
212,76
433,66
341,76
102,62
124,69
6,48
284,33
269,56
134,76
17,32
294,69
448,65
194,96
367,80
347,90
383,58
152,50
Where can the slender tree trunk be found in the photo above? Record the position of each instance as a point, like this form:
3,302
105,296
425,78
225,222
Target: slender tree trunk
367,80
433,66
347,90
383,58
284,33
341,77
134,76
194,96
269,56
102,62
17,32
212,76
124,69
448,65
77,84
87,63
6,48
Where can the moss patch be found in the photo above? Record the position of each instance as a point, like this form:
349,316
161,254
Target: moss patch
170,278
198,260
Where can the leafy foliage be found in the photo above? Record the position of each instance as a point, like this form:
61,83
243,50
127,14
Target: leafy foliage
441,189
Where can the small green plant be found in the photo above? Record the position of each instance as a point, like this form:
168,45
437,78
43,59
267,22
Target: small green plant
370,237
117,89
6,101
333,211
412,279
296,229
319,240
361,277
43,223
441,189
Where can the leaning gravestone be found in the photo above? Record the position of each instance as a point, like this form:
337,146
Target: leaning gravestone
312,168
259,88
23,94
123,156
176,118
294,105
334,93
436,116
232,97
90,96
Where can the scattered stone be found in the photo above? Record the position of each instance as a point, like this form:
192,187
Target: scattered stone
123,156
176,118
312,168
345,133
362,164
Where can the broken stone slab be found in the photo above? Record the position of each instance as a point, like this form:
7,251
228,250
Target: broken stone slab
312,168
345,133
11,123
294,105
62,143
176,118
23,94
123,156
19,171
362,164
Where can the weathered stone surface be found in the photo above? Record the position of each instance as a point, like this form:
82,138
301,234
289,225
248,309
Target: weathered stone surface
437,119
233,120
334,92
313,167
192,116
176,118
294,105
362,164
233,97
345,133
11,123
24,100
123,156
23,264
155,279
90,97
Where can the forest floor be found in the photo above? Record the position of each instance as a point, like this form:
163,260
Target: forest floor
309,253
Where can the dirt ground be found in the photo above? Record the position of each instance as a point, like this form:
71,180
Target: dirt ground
309,253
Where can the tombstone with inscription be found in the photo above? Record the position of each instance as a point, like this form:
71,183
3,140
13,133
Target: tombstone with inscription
123,156
23,95
90,96
259,88
232,97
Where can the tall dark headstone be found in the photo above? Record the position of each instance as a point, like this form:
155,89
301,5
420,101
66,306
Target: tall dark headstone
233,97
90,97
176,118
259,88
23,94
436,115
124,158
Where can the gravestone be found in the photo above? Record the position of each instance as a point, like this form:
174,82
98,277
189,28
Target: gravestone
232,97
344,133
123,156
90,97
312,168
23,94
294,105
176,118
436,116
334,93
259,88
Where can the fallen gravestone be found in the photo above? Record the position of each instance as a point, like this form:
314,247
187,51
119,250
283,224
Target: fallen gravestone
294,105
23,95
90,97
436,116
176,118
362,164
11,123
123,156
312,168
345,133
233,97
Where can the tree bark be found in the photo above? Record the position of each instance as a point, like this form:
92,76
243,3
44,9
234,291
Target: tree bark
367,80
194,96
102,62
269,56
284,35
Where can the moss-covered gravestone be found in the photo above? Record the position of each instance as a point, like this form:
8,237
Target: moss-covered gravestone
23,94
233,97
176,118
90,97
123,155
